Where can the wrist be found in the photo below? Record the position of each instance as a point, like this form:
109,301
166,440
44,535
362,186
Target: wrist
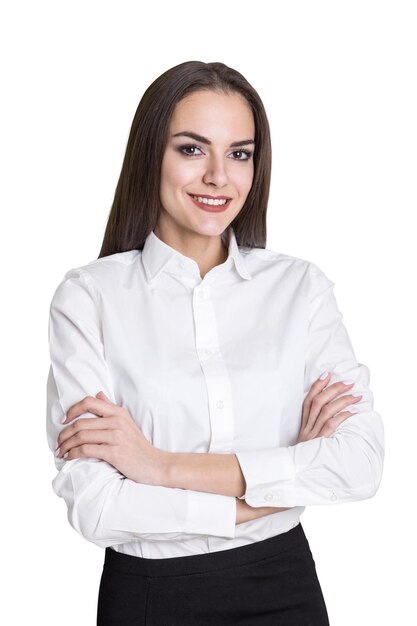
246,513
158,463
200,471
164,468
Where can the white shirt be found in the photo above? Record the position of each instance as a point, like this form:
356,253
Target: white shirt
219,364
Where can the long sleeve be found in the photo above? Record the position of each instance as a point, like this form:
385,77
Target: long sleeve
344,467
104,506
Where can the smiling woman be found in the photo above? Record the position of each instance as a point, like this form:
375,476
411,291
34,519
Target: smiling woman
189,171
203,389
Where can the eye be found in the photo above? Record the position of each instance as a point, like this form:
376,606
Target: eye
242,155
190,150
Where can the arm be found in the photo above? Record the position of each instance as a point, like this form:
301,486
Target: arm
346,466
138,460
339,459
116,439
221,473
104,506
343,467
246,513
209,472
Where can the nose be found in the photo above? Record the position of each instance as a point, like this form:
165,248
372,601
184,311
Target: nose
215,173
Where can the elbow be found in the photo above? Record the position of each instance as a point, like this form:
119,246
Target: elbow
87,523
373,450
84,518
376,465
363,453
369,482
85,506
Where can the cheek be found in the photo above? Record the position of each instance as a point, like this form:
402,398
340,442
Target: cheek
167,175
176,173
244,179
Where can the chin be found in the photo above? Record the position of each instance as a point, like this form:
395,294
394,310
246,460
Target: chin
213,230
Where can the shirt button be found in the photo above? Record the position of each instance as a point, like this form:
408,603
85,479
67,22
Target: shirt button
333,496
181,264
200,295
268,496
220,404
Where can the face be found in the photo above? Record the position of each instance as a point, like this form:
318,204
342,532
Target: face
207,167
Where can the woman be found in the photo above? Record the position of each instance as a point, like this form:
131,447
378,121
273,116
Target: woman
217,389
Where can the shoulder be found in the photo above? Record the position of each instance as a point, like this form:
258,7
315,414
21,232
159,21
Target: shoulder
89,280
105,270
286,266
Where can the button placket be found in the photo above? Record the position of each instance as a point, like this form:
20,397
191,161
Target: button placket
217,379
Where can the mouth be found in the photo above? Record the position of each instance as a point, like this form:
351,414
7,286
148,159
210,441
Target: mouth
211,203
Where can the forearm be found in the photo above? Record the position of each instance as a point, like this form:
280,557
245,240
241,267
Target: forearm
212,473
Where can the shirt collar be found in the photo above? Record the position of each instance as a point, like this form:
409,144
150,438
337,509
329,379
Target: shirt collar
156,254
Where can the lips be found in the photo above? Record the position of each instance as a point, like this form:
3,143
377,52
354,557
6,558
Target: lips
214,204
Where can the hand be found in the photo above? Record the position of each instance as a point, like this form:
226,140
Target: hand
113,436
321,413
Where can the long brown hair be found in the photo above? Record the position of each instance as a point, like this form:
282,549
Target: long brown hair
136,205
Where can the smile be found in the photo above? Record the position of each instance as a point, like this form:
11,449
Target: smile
210,201
213,205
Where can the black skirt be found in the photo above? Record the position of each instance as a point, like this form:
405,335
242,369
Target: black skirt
272,582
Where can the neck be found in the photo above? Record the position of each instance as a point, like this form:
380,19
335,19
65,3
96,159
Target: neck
207,251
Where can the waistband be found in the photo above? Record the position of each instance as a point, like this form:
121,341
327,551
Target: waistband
207,562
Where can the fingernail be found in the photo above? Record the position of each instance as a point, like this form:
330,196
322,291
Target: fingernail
57,451
357,395
64,420
324,375
65,455
348,382
353,410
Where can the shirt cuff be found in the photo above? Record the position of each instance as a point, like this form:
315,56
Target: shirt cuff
268,473
211,514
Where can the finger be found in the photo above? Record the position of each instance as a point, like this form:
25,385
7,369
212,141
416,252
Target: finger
330,410
89,404
331,425
102,452
323,398
316,388
336,389
102,396
89,423
86,437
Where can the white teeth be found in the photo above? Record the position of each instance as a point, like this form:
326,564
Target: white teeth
209,201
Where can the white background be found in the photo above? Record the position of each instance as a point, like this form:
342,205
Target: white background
338,80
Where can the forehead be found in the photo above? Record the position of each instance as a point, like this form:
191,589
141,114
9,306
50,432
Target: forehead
210,113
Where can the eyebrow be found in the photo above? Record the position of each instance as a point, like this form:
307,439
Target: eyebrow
201,139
